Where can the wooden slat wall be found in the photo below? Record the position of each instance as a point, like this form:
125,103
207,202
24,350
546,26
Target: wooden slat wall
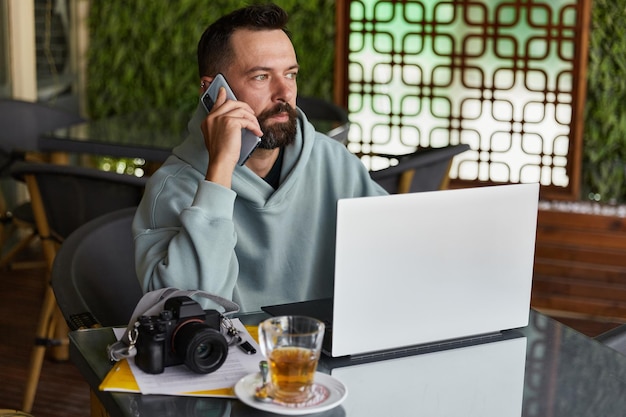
580,265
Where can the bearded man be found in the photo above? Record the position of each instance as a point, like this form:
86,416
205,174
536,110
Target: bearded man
262,233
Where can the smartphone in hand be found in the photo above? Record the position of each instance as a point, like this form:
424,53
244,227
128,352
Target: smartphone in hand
249,141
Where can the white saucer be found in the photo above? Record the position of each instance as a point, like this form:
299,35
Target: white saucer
246,388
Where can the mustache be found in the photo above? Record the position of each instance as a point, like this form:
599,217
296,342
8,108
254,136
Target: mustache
277,109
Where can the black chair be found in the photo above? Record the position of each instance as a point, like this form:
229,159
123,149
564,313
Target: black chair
11,221
614,338
93,275
21,124
424,170
63,198
327,117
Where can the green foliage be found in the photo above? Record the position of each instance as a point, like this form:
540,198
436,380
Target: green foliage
143,52
604,140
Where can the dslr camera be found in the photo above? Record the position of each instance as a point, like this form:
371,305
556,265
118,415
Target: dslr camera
182,333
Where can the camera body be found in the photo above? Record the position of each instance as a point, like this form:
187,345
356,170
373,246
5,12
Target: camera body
182,333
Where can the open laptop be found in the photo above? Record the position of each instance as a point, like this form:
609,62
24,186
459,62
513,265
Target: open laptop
423,268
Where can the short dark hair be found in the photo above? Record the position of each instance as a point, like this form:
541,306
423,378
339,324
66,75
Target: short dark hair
214,48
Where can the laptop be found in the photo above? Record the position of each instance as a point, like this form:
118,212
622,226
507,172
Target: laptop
428,268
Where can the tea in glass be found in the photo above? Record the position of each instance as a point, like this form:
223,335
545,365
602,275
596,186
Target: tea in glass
292,346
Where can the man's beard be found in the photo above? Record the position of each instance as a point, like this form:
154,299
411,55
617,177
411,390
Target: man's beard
277,135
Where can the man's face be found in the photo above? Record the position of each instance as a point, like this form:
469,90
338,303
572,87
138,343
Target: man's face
263,74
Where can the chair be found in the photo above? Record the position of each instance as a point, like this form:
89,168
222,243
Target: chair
63,198
93,276
19,218
614,338
326,117
424,170
21,124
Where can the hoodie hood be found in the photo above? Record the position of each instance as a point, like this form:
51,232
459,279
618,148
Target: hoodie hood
246,183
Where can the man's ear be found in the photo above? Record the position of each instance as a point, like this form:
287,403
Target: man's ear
204,83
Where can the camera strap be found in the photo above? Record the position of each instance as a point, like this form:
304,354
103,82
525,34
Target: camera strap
152,304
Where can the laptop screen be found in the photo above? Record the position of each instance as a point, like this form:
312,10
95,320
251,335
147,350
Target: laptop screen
423,268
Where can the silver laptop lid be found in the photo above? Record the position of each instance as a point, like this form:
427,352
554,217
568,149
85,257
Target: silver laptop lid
427,267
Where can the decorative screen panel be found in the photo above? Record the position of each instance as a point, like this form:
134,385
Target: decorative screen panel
498,75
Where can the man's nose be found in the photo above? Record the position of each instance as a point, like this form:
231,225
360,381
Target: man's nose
283,89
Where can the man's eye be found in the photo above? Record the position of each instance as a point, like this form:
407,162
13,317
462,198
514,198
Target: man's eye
260,77
292,75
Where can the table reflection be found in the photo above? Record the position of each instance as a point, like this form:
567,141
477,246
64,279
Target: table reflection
485,380
150,406
569,374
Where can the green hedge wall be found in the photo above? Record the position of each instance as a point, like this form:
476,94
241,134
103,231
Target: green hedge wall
143,52
604,139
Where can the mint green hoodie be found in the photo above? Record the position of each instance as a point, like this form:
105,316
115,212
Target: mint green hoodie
252,244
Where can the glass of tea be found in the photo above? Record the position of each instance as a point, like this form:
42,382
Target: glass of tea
292,346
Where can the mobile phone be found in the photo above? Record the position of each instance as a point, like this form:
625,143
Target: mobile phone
249,141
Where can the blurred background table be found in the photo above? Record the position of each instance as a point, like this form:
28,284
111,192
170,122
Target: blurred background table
151,134
147,135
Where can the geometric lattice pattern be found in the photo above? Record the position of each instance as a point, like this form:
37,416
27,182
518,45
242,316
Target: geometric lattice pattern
497,75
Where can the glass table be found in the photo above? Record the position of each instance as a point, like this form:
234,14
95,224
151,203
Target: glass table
544,369
149,135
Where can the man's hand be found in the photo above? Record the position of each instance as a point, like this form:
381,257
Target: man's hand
222,136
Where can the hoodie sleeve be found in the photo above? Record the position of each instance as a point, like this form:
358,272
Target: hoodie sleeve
184,234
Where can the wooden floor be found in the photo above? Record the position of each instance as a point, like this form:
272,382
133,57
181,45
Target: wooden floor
62,391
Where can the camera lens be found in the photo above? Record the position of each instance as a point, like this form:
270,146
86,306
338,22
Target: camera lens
201,348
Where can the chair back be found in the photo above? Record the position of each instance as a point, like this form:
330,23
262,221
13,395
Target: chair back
21,124
424,170
93,275
65,197
327,117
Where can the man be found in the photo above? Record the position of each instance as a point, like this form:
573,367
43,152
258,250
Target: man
258,234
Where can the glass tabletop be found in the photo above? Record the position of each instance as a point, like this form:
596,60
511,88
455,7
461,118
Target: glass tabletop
149,135
545,369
